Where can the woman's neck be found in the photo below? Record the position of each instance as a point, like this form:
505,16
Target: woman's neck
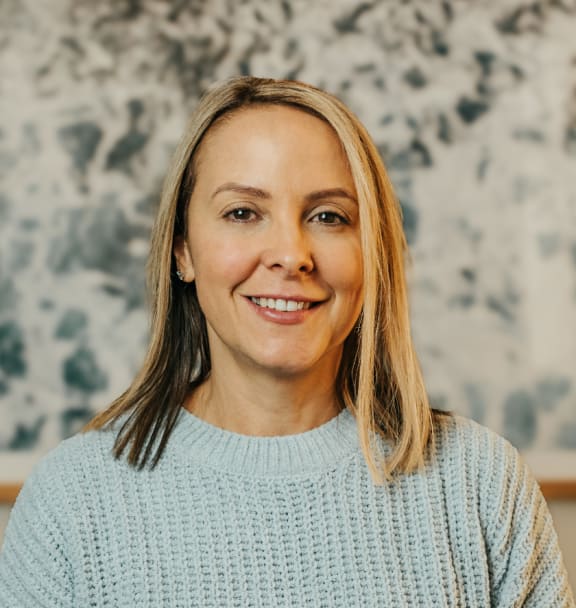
262,404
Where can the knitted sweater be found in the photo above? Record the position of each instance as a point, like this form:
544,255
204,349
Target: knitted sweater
234,520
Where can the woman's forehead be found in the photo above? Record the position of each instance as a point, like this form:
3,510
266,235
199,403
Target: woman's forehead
263,132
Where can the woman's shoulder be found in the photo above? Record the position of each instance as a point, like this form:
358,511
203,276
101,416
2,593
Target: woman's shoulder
80,449
489,489
472,454
83,459
454,433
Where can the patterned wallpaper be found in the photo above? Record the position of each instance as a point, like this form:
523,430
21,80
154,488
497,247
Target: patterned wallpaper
472,105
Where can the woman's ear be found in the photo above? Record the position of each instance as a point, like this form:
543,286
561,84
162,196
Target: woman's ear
183,260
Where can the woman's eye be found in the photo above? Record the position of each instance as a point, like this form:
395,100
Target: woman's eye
330,217
241,214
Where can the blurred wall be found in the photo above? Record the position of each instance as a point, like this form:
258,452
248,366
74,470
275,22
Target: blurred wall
472,105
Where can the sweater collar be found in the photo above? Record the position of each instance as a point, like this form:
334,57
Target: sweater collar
317,449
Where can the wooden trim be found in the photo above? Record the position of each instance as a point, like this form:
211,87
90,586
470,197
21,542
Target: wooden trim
558,489
552,490
8,492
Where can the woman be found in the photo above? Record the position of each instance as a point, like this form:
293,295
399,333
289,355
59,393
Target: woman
277,447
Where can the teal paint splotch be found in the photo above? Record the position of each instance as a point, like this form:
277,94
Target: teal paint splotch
96,238
348,22
476,402
20,255
31,144
73,419
415,77
410,222
529,135
520,422
81,141
8,295
504,304
444,129
29,224
126,147
414,155
570,140
439,402
147,205
439,44
12,349
46,304
471,110
486,60
5,206
131,143
462,300
566,437
81,371
26,437
71,324
548,244
550,391
500,307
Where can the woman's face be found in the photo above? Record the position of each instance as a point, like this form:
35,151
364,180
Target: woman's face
273,243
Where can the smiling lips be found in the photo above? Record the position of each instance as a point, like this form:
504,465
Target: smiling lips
281,304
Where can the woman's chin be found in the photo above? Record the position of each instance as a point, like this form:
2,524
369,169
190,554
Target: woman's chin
291,366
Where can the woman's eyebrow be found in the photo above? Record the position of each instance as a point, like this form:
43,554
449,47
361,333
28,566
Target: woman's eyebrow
331,193
241,189
263,194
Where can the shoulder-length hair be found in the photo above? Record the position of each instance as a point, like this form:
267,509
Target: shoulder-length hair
379,379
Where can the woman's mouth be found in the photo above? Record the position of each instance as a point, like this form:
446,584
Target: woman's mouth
281,304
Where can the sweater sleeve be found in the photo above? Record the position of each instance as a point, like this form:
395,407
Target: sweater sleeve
34,568
525,560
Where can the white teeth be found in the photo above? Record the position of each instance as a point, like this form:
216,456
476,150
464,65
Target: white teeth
280,304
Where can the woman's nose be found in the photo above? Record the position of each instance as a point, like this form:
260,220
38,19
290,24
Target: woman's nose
288,249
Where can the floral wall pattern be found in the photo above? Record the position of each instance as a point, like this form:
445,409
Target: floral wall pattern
472,105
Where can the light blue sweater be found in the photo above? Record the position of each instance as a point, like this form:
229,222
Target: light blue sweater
232,520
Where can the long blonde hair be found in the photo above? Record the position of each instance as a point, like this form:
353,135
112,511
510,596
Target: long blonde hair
379,380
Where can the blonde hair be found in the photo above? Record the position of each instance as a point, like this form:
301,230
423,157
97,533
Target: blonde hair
379,380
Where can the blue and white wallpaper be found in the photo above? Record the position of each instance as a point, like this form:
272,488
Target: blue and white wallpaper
472,105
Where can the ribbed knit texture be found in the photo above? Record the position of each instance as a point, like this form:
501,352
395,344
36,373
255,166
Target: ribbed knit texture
232,520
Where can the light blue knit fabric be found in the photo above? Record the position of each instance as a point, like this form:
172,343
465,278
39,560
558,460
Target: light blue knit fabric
231,520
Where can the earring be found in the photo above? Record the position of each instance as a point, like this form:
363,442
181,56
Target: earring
180,275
